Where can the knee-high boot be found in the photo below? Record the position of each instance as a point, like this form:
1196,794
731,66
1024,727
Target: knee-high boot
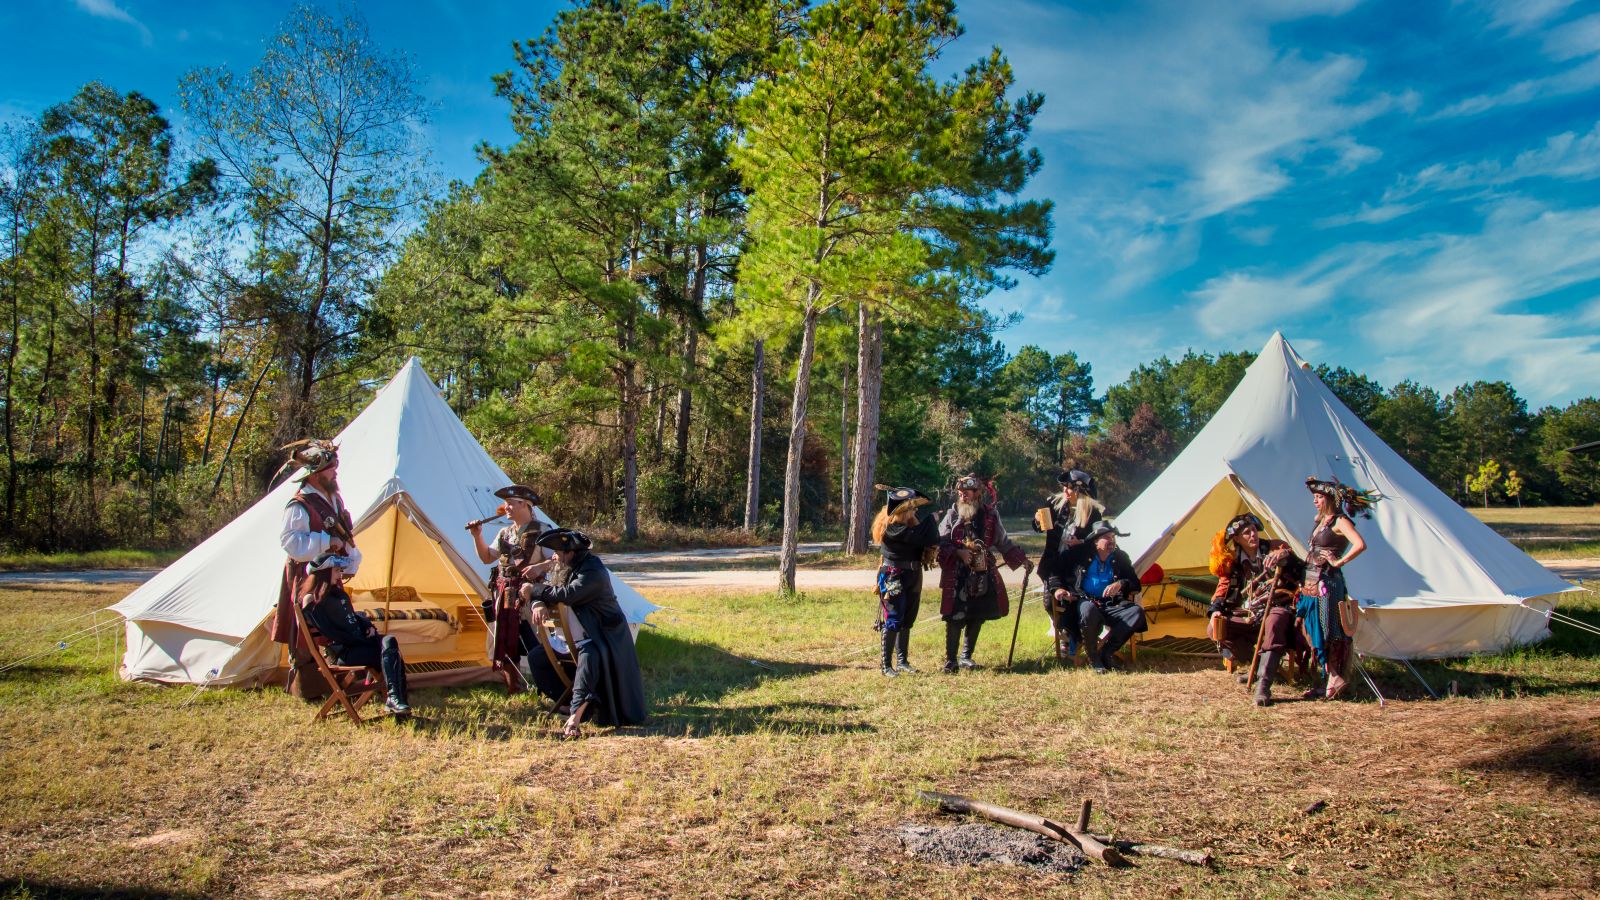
1268,667
887,662
902,647
970,641
952,639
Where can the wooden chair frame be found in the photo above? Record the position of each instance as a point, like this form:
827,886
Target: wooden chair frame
555,623
363,681
1054,607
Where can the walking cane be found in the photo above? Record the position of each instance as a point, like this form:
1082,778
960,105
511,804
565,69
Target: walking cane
1026,574
1261,635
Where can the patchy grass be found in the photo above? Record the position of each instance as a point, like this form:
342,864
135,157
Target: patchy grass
92,559
778,763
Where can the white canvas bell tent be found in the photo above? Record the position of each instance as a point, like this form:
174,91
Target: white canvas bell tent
411,475
1433,582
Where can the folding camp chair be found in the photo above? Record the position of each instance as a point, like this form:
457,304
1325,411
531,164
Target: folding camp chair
565,664
343,681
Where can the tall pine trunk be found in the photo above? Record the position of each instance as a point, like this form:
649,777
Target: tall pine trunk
789,556
758,396
869,389
844,447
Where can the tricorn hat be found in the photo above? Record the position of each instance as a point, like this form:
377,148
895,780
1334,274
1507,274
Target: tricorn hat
518,492
312,455
1100,528
900,496
564,539
1079,477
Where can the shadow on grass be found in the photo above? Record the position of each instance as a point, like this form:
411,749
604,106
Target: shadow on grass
27,889
1570,756
794,718
699,672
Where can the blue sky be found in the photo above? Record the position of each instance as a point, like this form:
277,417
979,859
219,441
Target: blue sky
1410,189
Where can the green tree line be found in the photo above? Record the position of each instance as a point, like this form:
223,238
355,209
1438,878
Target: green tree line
731,273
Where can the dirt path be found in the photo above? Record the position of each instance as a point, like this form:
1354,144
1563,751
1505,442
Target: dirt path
640,570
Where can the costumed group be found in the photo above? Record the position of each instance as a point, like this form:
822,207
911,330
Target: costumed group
1269,604
541,574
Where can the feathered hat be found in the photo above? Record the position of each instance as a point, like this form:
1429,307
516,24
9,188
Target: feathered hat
312,455
1351,501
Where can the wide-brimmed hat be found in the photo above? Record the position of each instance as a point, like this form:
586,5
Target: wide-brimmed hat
312,455
970,482
518,492
1100,528
900,496
564,539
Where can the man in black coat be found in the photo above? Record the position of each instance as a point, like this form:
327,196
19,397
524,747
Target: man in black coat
607,685
1097,580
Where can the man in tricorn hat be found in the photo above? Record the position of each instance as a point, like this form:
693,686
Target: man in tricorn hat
520,563
607,686
1096,579
317,535
971,591
907,543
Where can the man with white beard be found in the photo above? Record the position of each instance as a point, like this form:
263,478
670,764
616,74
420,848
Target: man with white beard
971,591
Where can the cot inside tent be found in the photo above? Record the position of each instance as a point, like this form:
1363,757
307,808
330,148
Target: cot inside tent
1434,580
411,475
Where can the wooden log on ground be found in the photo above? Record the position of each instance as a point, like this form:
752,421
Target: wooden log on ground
1137,848
1028,821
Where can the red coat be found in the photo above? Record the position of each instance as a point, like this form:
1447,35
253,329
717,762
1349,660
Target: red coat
952,532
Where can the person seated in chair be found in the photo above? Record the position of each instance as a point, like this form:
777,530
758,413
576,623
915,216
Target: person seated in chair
316,535
1238,559
1104,590
607,685
1065,522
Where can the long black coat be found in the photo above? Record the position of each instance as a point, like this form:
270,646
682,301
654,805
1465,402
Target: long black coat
588,593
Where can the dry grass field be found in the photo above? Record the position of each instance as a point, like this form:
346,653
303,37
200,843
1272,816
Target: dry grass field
779,763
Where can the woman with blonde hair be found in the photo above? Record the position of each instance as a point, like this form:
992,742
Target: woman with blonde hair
1066,522
907,543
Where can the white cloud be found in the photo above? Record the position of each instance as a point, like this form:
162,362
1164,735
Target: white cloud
1518,16
1575,39
108,9
1577,79
1569,156
1445,309
1368,215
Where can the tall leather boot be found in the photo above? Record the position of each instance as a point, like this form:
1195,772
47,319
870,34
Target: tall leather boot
1268,667
887,662
902,646
970,641
952,639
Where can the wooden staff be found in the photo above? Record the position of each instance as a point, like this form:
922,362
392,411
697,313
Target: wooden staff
1026,574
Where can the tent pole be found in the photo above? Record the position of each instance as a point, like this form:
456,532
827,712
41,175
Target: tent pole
388,578
1425,686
